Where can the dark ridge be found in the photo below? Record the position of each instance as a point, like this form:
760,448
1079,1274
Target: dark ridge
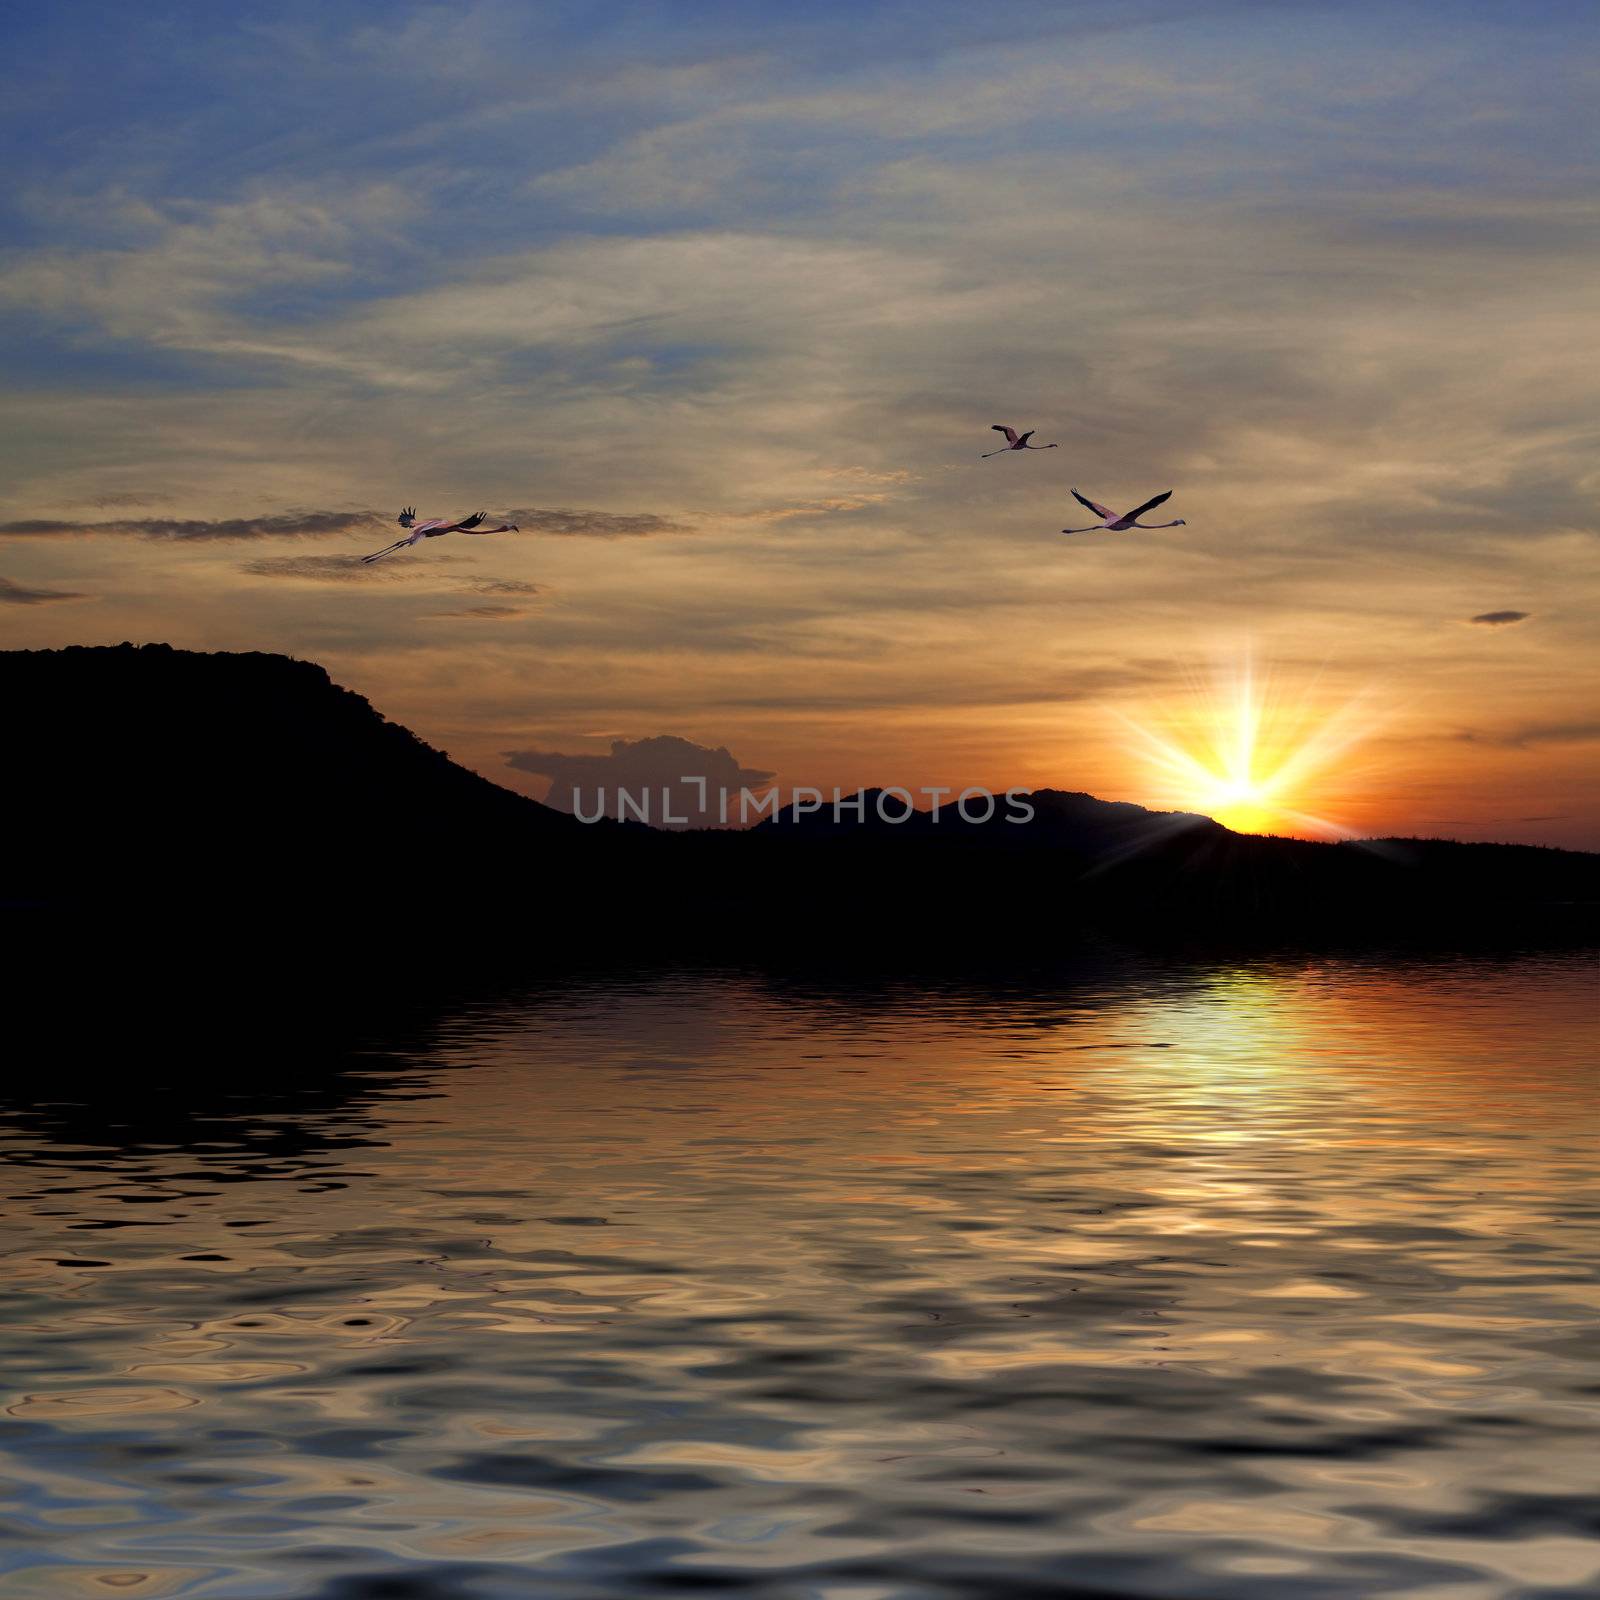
232,794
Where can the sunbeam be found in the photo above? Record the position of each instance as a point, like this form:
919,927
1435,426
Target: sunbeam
1251,752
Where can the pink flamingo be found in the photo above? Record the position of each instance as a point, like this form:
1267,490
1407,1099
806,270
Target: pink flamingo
434,527
1115,524
1014,441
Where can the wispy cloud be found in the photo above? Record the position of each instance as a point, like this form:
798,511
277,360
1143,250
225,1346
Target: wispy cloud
1530,734
331,569
191,275
437,571
482,613
503,586
282,525
16,594
765,278
595,524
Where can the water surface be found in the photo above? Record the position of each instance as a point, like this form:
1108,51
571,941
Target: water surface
1138,1280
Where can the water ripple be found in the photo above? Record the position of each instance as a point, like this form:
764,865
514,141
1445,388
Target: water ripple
1223,1282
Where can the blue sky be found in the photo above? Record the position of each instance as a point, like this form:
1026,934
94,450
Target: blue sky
762,276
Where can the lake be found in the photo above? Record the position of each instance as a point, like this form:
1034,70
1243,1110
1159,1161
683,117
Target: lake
1138,1278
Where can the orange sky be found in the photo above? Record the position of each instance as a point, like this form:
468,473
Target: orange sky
724,321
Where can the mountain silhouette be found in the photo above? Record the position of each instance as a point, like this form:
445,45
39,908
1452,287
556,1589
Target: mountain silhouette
150,771
239,791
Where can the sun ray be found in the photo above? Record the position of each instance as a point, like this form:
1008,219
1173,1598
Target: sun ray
1246,751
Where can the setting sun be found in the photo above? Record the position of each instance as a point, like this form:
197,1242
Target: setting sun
1254,756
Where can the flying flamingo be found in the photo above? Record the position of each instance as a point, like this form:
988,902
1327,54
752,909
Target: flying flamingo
1115,524
1014,441
436,526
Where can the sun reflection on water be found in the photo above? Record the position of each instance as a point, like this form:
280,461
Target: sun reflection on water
1192,1271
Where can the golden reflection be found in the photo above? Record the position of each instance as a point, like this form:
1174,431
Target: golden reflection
1272,1520
91,1404
125,1583
653,1241
218,1371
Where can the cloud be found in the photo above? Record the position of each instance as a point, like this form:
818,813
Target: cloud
593,524
480,614
810,508
330,569
862,475
651,773
185,275
285,525
14,594
350,569
503,586
1500,619
1332,287
1577,731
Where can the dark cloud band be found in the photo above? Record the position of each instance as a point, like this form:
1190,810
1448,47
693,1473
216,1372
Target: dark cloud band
481,614
328,569
326,524
15,594
285,525
594,524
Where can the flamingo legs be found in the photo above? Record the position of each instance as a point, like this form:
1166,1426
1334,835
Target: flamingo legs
387,549
1124,527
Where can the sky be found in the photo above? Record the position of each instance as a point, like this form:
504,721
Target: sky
719,302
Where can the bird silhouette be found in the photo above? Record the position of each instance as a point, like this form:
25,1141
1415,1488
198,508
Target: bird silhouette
1115,524
1014,441
434,527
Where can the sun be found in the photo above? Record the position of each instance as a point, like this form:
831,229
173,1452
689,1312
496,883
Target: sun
1246,807
1253,754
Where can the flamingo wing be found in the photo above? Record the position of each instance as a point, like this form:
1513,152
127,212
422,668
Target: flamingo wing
1099,510
1026,437
1010,433
408,516
1149,505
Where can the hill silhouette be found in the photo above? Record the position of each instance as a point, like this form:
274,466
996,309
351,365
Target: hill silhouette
149,771
241,790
